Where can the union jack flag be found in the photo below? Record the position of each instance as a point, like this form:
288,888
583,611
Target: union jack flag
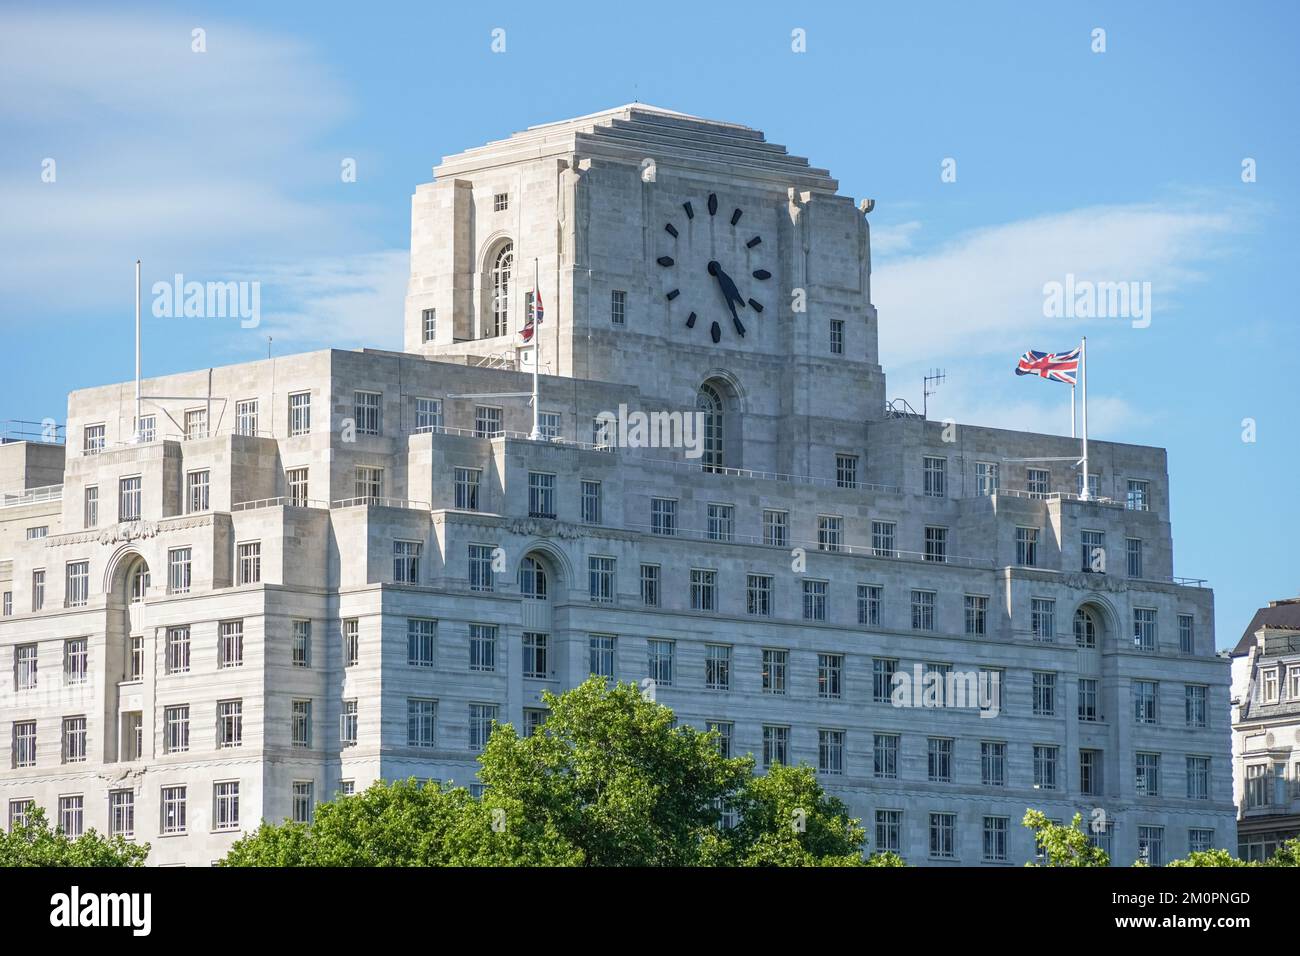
534,319
1058,366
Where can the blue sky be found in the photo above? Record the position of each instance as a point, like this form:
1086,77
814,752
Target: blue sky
1116,166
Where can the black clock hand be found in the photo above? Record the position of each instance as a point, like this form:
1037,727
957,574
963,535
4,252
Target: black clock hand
730,293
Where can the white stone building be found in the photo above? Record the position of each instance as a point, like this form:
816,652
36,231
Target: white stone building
1266,730
323,569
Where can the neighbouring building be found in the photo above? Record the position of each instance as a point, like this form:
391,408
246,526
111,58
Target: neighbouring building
295,576
1266,729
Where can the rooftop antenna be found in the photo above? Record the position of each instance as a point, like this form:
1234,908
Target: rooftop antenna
268,346
935,377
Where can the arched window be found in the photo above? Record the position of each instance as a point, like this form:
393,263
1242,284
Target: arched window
1085,629
502,267
709,402
532,579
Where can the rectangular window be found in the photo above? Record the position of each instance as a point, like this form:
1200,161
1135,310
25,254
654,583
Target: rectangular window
178,650
1092,548
137,657
77,586
537,664
775,665
176,729
487,421
721,522
837,336
1038,482
650,585
534,718
1090,772
121,813
38,589
466,488
1198,778
304,801
482,647
776,528
421,638
480,567
541,495
590,502
1200,840
717,666
977,610
196,423
428,324
663,516
776,746
128,498
7,607
230,644
726,732
704,589
660,659
869,599
173,810
90,513
943,835
883,670
600,651
1151,845
248,563
500,202
1043,619
986,478
618,307
1027,547
1045,765
230,723
1144,628
993,763
368,484
830,676
1187,634
351,641
348,723
482,718
299,413
889,831
92,442
1147,778
296,482
300,723
148,430
882,539
24,743
246,417
225,805
1044,692
830,751
178,571
846,471
884,761
406,561
939,759
1145,707
300,651
428,415
830,533
74,739
1088,699
936,477
922,610
75,660
548,423
421,721
995,839
1194,704
936,544
1139,495
1133,550
600,579
814,600
367,412
72,815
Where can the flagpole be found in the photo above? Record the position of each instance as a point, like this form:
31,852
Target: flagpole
537,342
1083,365
135,431
1073,416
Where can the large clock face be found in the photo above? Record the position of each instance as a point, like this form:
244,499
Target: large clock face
726,268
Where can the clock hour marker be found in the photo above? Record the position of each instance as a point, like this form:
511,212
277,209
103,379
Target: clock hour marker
753,242
762,274
690,212
735,217
665,261
690,321
671,230
715,333
713,204
756,306
674,294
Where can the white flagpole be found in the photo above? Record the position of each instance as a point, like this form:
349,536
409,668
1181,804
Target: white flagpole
1083,366
537,356
135,431
1073,416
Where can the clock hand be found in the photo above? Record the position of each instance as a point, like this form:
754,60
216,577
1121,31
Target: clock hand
730,293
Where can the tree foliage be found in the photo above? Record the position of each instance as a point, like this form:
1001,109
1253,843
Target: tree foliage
36,843
1061,845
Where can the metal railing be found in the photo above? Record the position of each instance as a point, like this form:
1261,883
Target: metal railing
18,429
812,480
12,499
281,501
1053,496
374,501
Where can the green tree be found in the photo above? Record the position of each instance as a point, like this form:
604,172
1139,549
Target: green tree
1287,854
1061,845
1210,858
35,843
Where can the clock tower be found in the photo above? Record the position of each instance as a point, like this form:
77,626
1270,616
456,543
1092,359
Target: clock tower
687,257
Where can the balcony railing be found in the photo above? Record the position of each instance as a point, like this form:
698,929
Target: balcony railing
374,501
282,501
17,429
31,496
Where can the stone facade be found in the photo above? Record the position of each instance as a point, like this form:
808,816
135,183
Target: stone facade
423,566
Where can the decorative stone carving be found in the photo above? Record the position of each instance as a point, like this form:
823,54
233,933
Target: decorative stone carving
545,528
1096,582
128,531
